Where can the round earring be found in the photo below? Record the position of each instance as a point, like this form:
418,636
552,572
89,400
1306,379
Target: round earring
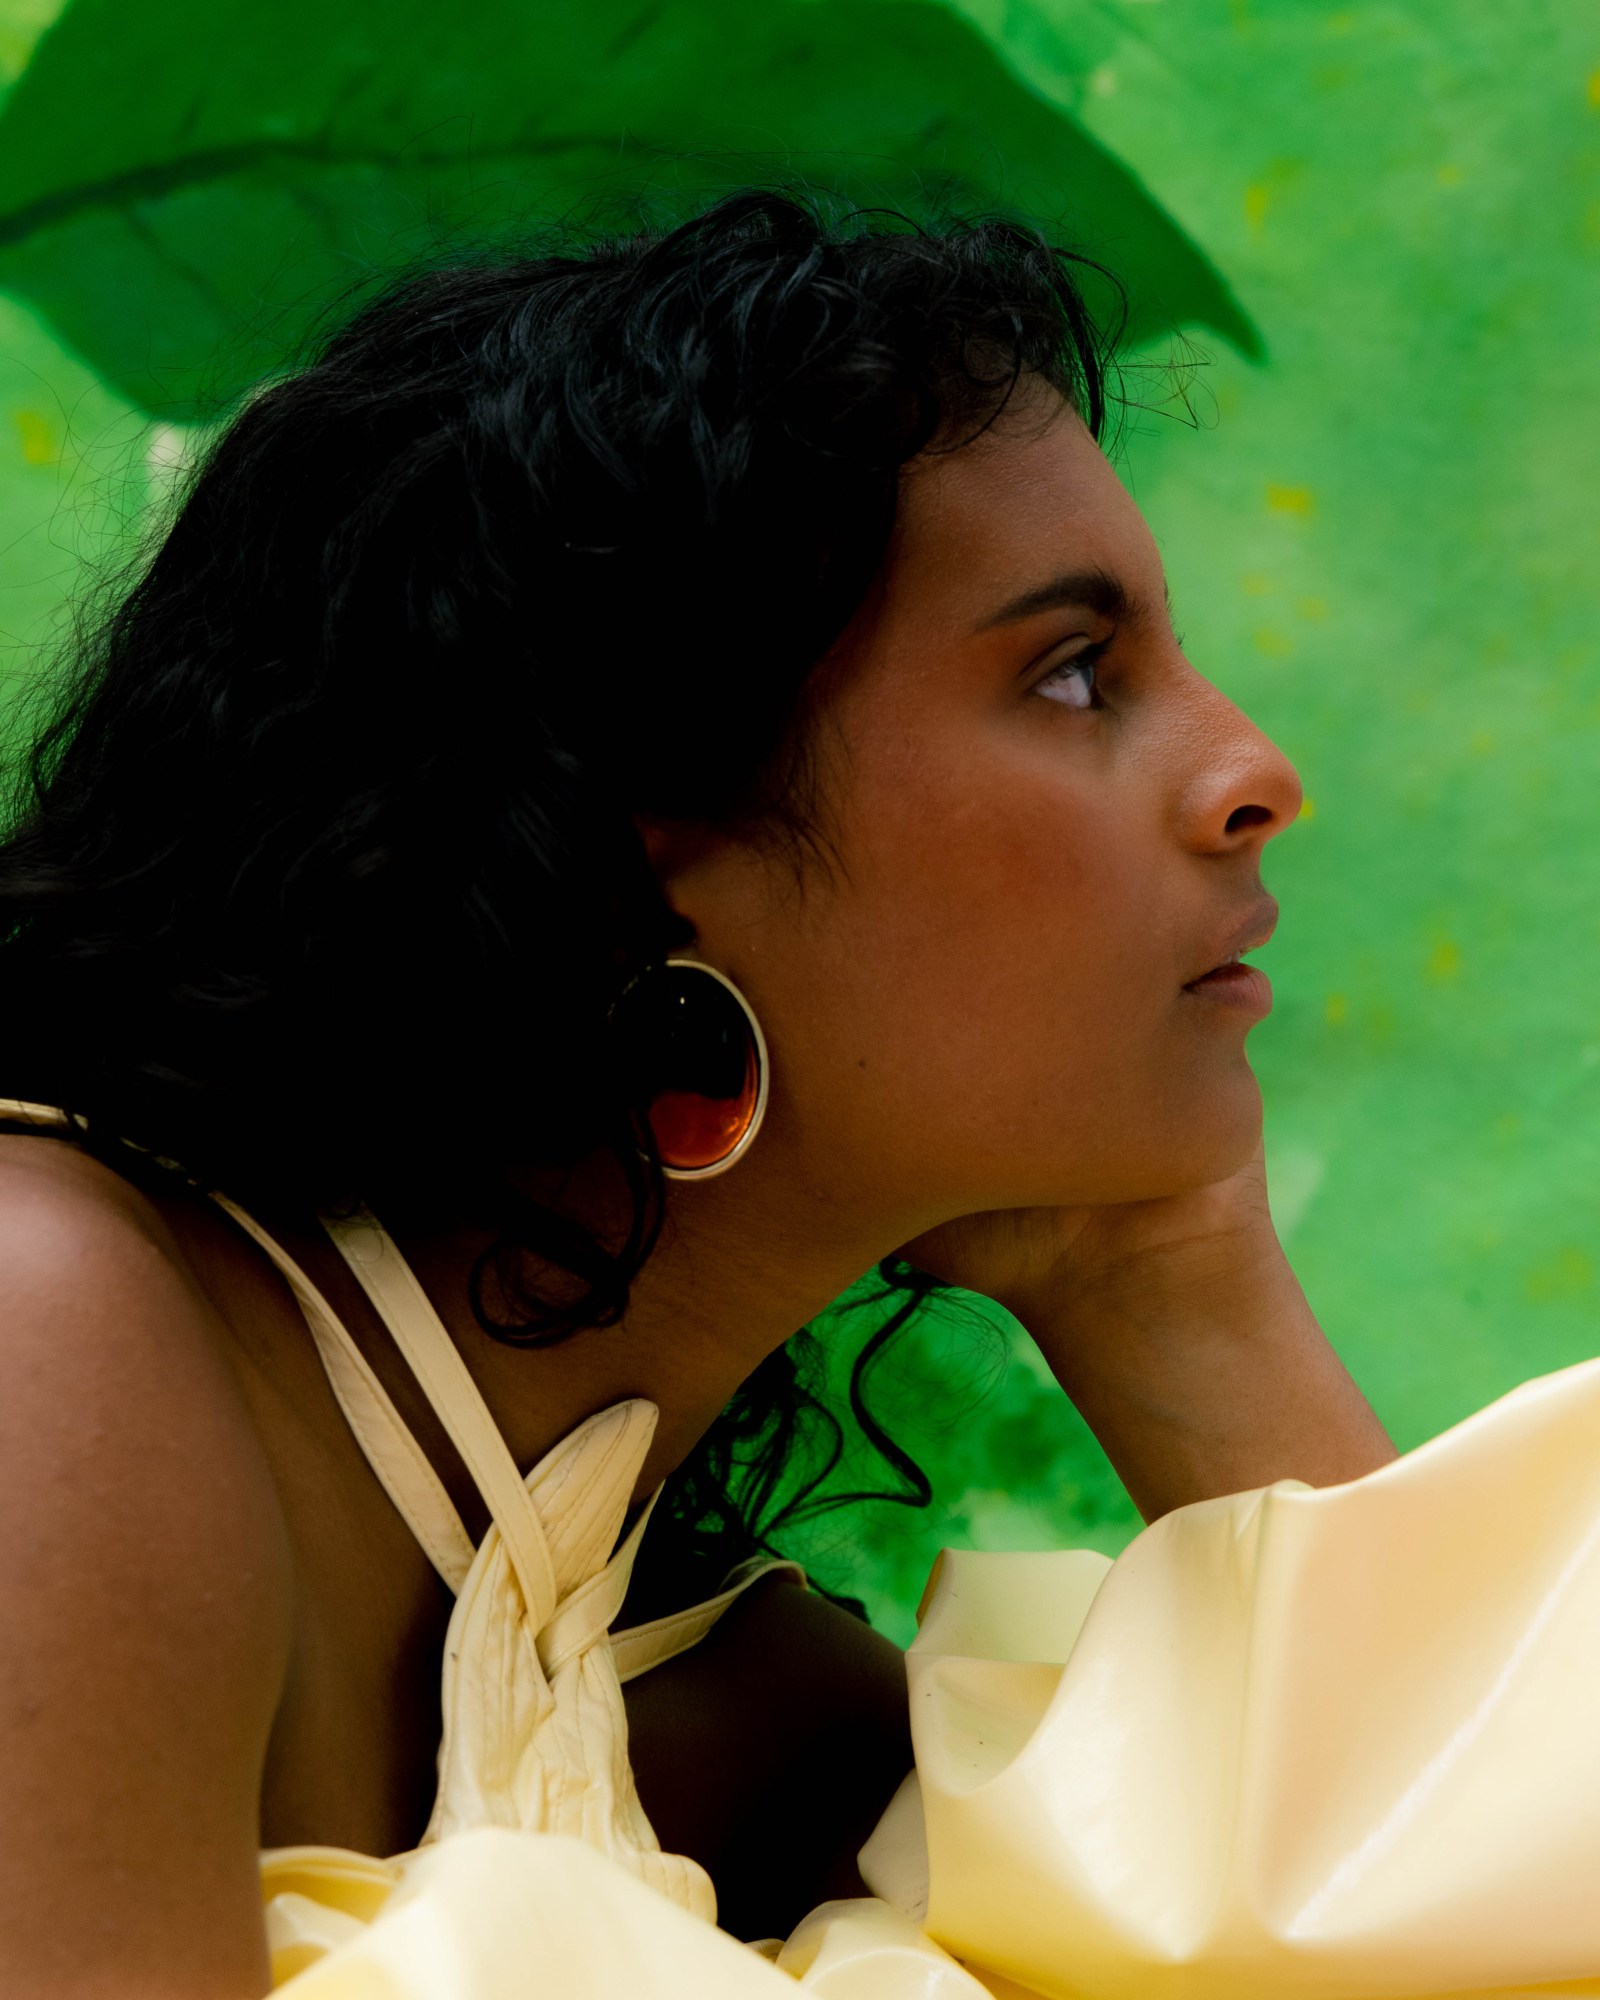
695,1045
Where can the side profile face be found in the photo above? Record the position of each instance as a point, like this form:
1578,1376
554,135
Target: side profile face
1044,826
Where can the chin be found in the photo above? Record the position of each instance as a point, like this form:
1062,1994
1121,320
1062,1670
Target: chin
1167,1147
1211,1146
1224,1142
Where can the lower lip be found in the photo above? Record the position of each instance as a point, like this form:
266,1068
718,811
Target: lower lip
1246,987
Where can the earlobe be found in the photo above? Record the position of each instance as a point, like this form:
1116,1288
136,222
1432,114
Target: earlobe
656,836
675,846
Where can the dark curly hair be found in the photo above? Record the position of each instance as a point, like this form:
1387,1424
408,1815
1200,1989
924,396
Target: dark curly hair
335,807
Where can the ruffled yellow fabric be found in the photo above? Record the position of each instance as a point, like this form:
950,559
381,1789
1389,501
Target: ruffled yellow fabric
1342,1743
500,1915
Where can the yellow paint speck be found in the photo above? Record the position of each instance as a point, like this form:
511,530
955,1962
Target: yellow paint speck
1254,584
1448,174
1594,88
38,440
1308,809
1103,81
1289,499
1337,1010
1271,643
1313,607
1507,1124
1444,960
1483,743
1340,24
1257,200
1563,1276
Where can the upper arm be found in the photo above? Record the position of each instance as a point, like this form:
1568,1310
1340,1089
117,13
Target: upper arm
770,1751
144,1593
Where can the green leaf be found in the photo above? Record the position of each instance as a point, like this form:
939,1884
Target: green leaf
183,186
22,22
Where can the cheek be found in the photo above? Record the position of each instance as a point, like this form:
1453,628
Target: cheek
1009,887
991,959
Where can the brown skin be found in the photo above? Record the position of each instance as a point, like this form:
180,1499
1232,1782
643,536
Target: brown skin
219,1633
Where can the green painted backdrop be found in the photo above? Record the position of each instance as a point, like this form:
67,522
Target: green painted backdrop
1370,237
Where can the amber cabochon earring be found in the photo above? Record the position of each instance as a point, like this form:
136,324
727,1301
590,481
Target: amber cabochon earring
695,1047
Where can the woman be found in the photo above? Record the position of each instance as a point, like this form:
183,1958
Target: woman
756,597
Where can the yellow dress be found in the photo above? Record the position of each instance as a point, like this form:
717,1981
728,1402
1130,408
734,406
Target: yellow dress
1341,1743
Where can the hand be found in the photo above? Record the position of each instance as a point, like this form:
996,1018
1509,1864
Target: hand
1020,1256
1181,1333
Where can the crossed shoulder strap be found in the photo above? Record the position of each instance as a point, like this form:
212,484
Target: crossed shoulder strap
399,1462
402,1467
433,1357
395,1456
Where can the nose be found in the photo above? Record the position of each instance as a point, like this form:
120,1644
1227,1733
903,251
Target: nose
1241,790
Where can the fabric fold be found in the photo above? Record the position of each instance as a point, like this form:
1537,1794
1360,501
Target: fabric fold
1341,1742
1292,1744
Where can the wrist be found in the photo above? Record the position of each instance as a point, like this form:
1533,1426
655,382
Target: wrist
1210,1379
1238,1287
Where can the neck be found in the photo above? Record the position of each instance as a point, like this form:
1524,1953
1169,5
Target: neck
743,1261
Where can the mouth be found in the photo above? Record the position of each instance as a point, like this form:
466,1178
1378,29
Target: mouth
1229,980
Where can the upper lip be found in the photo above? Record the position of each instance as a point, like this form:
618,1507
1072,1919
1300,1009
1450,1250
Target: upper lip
1251,931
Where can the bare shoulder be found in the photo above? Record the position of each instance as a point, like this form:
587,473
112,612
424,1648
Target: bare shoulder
147,1586
110,1346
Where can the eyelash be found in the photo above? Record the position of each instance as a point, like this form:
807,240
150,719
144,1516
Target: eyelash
1087,659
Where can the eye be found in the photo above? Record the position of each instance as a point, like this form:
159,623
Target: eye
1073,682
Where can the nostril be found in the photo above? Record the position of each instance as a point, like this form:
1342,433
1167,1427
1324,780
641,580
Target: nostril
1243,816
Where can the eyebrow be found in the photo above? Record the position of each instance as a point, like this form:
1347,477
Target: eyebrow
1095,589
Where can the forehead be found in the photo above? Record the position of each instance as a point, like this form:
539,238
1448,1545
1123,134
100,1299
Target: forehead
991,521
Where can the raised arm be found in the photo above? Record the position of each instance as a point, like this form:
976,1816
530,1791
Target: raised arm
1181,1333
145,1586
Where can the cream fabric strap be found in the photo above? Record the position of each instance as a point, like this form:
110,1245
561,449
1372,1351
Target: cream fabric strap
401,1465
418,1494
641,1647
403,1468
396,1458
564,1628
588,1612
419,1333
23,1113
